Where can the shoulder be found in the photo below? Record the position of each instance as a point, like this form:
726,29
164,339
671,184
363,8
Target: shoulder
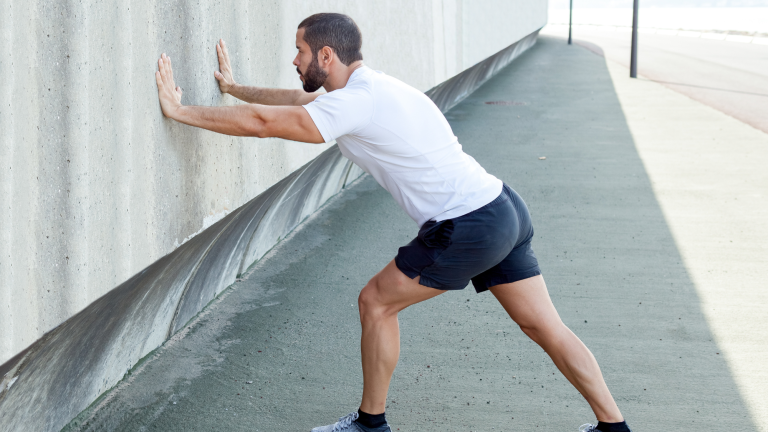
360,86
357,95
346,110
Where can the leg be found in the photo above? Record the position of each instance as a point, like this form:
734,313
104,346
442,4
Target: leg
528,304
389,292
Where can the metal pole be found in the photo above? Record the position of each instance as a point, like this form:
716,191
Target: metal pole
633,59
570,23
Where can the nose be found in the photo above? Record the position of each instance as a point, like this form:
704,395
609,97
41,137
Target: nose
296,61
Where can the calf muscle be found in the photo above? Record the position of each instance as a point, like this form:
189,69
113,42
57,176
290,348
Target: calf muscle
389,292
527,302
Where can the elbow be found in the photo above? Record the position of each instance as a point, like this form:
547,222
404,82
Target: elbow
258,126
258,129
260,132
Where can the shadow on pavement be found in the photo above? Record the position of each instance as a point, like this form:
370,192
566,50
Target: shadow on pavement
279,351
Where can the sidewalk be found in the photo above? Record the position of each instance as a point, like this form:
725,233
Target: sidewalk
635,205
729,76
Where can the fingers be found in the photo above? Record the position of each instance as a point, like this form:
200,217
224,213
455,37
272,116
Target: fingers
161,67
224,74
224,50
220,54
168,92
166,70
221,51
170,68
223,47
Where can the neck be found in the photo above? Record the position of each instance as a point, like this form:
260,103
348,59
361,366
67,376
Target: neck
338,78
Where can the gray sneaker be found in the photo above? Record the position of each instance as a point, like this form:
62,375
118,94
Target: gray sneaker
348,424
588,427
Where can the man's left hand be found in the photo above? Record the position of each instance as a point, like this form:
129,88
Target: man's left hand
168,92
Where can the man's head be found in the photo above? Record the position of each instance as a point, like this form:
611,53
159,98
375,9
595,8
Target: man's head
323,39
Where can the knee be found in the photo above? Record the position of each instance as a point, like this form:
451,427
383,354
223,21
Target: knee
541,333
368,302
532,332
371,304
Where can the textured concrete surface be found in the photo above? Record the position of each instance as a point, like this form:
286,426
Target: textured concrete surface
47,384
279,350
729,76
96,184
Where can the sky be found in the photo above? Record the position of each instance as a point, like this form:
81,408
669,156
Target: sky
563,4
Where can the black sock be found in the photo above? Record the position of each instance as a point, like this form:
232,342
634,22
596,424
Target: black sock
613,427
371,420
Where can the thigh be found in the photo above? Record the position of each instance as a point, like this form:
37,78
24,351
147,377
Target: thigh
520,264
527,302
393,289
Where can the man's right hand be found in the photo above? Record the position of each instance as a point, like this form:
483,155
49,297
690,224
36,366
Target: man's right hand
224,74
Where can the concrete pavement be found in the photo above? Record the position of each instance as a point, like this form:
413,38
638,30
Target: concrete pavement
708,173
709,176
632,212
729,76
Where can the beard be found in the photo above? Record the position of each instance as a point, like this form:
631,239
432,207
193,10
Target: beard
314,78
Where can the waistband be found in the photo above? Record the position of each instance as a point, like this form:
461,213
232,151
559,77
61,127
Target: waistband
504,197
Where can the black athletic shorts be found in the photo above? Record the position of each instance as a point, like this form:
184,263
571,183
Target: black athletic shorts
489,246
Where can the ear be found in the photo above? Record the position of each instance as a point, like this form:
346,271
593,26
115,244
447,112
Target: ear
325,56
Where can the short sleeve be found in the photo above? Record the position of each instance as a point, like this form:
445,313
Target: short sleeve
341,112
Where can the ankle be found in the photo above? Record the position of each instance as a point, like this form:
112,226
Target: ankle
613,426
371,420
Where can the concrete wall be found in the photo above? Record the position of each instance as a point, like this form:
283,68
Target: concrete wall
96,185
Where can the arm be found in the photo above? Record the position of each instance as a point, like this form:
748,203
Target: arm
270,96
259,95
292,123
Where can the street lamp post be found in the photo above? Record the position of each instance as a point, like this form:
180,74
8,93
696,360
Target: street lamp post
570,23
633,58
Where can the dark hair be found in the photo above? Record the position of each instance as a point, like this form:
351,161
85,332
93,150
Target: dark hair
336,31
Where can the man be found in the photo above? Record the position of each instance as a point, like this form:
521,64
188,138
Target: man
472,226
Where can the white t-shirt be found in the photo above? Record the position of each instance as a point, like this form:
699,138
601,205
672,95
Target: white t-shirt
397,134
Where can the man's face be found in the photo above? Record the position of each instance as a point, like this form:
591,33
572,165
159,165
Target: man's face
310,73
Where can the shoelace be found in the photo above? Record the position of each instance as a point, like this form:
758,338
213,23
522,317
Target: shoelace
345,421
588,427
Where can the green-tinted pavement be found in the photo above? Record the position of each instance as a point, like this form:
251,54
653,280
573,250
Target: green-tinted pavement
290,328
